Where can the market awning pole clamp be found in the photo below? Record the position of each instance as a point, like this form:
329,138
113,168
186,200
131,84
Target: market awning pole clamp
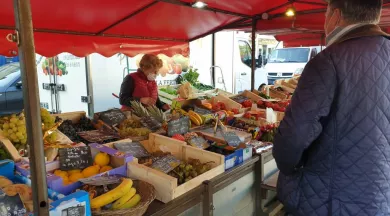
13,37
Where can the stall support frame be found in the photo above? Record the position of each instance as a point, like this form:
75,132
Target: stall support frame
24,37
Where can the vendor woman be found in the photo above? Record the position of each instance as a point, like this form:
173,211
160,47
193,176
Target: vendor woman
141,86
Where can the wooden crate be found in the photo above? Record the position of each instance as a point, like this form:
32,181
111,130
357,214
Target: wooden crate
214,92
229,103
10,148
250,95
166,186
73,116
209,131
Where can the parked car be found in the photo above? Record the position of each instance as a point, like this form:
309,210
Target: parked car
11,95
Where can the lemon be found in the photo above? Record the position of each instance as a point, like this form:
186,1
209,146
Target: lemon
105,169
70,172
102,159
90,171
75,177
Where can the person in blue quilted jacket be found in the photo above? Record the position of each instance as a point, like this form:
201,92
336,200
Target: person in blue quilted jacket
333,146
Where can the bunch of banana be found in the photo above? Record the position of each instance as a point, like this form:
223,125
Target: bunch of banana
195,118
122,197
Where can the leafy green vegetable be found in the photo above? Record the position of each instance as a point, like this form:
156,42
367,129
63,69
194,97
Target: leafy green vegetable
169,90
264,96
191,76
202,87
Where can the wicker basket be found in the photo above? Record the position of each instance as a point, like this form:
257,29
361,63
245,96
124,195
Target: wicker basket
148,194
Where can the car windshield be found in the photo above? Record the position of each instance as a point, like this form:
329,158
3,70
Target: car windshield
8,72
300,55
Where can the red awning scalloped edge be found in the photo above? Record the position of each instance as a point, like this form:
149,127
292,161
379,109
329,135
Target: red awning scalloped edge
51,44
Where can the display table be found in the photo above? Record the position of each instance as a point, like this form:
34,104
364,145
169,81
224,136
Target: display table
203,193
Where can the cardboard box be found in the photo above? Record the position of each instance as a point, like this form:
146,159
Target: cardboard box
75,204
118,160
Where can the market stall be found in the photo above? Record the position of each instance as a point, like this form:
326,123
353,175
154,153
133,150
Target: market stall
200,147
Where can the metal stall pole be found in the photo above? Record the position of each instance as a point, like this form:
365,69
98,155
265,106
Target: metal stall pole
254,22
213,60
25,40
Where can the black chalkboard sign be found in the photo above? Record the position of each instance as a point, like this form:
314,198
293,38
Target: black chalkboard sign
239,98
134,148
201,111
112,117
150,123
199,142
166,163
74,211
179,126
231,138
11,205
75,158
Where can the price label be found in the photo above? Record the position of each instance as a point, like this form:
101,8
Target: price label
75,158
179,126
11,205
231,138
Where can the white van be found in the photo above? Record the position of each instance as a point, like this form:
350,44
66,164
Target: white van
232,61
285,62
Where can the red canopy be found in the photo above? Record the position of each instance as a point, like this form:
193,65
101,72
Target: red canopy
82,27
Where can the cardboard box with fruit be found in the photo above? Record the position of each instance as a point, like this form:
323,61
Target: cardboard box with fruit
107,161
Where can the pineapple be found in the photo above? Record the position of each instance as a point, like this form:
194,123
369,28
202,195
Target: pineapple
138,109
157,114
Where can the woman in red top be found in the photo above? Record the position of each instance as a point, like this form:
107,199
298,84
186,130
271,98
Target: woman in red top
141,85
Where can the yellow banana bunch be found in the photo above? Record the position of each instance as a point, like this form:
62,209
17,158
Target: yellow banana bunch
132,202
121,201
113,194
195,118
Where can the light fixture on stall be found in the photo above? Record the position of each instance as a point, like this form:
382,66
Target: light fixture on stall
290,12
199,4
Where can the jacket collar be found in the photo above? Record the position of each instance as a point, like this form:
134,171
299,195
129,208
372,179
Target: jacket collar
366,30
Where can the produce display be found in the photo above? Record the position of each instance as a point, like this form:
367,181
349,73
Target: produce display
189,170
169,90
101,164
275,105
202,87
70,129
267,133
132,128
24,191
14,128
122,196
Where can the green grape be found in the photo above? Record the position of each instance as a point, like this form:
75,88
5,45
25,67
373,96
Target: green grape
5,133
13,120
5,126
12,125
13,137
16,140
21,122
22,129
23,141
15,129
10,131
13,116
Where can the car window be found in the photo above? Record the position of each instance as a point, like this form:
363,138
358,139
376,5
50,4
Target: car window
8,73
300,55
245,51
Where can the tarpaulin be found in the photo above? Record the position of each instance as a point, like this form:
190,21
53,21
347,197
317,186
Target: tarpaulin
82,27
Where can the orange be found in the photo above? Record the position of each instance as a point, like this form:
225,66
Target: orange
102,159
75,177
105,169
90,171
